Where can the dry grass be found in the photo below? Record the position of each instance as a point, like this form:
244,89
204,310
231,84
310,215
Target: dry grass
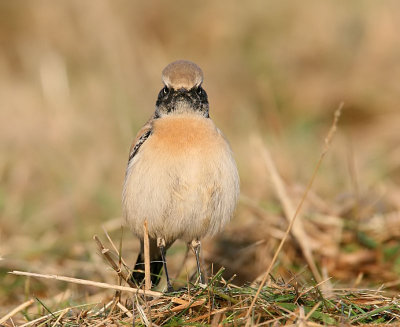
77,80
219,302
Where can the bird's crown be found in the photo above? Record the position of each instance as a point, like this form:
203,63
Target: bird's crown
182,74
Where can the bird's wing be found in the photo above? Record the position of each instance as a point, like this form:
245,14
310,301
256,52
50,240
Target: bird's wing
141,137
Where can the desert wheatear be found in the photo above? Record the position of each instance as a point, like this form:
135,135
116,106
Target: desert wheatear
181,175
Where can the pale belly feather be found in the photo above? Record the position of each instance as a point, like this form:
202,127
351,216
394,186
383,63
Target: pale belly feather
184,181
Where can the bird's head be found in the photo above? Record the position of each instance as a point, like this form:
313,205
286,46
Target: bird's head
182,91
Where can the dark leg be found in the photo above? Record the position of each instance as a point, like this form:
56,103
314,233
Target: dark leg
196,245
138,276
161,245
156,266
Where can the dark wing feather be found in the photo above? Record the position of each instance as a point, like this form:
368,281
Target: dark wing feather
141,137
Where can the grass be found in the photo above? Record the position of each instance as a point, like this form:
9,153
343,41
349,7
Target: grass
77,81
222,302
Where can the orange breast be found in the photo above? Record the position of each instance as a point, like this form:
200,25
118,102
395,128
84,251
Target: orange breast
184,133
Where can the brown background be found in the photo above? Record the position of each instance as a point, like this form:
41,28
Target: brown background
78,79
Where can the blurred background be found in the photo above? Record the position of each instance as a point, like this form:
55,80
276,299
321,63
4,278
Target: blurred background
78,79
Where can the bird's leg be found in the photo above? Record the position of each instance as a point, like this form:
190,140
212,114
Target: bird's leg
195,246
161,246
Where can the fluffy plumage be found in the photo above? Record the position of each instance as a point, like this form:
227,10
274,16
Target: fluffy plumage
181,175
183,180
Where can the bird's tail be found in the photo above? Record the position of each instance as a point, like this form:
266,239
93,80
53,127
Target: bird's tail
156,266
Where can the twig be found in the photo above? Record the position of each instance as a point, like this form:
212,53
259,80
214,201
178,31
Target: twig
328,141
288,208
147,280
206,315
88,283
102,323
124,309
118,270
102,309
113,245
186,304
32,322
62,314
21,307
142,315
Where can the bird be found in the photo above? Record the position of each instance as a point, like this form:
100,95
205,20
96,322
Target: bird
181,175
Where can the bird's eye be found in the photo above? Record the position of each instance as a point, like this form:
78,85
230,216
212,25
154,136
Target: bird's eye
199,91
165,90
